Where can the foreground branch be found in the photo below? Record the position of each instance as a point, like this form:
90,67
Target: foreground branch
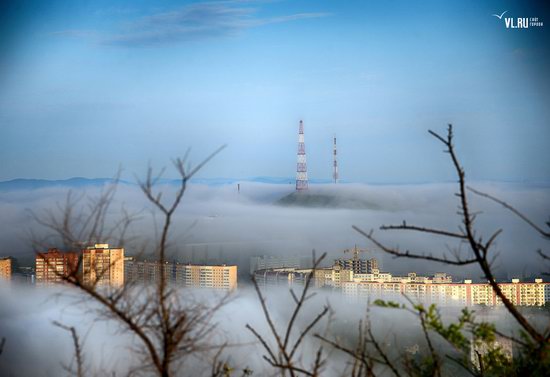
479,249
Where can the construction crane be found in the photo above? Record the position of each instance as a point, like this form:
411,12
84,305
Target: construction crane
355,251
357,265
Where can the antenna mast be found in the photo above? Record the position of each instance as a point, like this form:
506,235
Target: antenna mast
335,163
301,167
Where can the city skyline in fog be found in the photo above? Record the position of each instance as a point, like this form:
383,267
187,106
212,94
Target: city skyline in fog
88,87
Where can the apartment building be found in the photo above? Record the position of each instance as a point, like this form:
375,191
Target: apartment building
52,266
267,262
221,277
448,294
336,275
358,265
147,272
5,268
283,277
103,265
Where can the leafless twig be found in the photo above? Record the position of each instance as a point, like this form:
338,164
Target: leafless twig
77,350
283,356
479,248
167,328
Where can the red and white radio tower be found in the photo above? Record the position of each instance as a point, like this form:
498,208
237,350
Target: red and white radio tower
335,163
301,167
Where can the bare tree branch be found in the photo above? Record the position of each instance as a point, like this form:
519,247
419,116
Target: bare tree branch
77,349
509,207
168,330
405,226
479,249
407,254
283,356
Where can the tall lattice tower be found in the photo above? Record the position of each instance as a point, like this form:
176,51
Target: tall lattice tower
335,163
301,167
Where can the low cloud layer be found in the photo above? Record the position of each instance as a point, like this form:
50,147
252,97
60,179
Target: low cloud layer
218,223
27,314
231,226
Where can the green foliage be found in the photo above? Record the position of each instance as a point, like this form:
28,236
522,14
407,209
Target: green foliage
483,332
496,362
387,304
453,333
478,346
533,361
480,341
422,366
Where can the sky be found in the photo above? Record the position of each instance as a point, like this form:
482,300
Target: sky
90,86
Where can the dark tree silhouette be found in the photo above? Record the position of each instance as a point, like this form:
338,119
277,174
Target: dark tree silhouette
284,355
169,328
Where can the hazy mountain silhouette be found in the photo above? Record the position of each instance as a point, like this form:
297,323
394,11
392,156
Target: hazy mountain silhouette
326,199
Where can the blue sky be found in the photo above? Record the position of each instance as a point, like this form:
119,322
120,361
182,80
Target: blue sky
86,87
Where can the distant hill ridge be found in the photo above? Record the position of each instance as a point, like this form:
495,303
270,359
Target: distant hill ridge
76,182
327,199
31,184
